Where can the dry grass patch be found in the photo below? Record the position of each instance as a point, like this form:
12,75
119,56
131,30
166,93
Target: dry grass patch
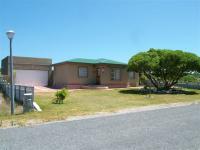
85,102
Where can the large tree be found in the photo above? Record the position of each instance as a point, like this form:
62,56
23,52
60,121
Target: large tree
164,67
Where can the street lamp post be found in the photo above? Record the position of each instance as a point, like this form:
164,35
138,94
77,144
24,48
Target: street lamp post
10,35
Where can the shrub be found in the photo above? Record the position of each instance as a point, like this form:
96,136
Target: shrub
61,95
189,78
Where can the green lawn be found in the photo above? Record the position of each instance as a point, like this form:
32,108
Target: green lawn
82,102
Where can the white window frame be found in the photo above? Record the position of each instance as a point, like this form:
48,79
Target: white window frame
114,75
84,73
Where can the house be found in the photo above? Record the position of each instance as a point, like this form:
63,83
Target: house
75,73
28,70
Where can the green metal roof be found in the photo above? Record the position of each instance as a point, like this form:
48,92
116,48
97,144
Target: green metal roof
94,61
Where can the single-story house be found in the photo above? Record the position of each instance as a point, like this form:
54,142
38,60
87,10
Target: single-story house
75,73
28,70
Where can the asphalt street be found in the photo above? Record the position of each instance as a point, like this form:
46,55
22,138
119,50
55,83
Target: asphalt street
166,129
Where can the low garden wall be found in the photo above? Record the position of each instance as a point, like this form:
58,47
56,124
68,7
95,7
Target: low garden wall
19,91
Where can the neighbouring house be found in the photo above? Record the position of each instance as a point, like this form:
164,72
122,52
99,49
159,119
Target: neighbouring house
28,70
76,73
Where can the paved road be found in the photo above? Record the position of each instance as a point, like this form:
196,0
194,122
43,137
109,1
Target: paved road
166,129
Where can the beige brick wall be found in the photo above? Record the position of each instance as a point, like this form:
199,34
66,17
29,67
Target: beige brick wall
124,81
31,61
26,63
66,74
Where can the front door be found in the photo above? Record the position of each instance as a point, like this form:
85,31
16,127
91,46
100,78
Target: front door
98,75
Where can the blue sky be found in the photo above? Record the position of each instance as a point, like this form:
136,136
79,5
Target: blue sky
113,29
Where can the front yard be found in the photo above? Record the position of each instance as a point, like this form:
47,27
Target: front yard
84,102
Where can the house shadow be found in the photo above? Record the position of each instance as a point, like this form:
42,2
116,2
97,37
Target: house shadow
146,92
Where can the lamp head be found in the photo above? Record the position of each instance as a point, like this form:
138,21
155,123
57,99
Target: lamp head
10,34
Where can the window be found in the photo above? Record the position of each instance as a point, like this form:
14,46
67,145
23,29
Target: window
115,74
131,75
82,71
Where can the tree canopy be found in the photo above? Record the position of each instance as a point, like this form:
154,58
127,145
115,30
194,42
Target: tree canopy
163,67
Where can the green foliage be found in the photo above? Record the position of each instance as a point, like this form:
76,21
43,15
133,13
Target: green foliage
188,78
61,95
196,75
164,67
192,77
143,79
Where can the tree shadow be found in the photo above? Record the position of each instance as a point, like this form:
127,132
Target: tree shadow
146,92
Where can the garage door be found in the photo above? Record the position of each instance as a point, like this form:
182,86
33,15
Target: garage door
31,77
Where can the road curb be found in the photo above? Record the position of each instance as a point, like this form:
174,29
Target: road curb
130,110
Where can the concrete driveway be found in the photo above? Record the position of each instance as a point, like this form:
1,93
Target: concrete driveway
165,129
